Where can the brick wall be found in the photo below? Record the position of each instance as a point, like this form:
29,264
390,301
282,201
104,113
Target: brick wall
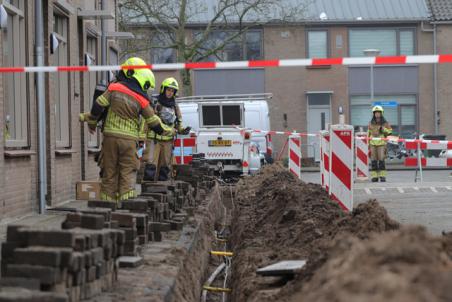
19,187
445,81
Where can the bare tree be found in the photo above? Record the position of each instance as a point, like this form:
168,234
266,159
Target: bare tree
169,19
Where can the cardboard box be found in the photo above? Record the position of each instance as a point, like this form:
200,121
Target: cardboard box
87,190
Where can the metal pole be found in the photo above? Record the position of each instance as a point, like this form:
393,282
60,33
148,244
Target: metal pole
371,84
41,106
419,159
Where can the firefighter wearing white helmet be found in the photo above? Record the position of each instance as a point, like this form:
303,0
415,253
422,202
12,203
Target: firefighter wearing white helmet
126,104
378,128
159,157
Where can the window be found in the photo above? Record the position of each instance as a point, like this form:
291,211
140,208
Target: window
91,52
162,54
221,115
317,44
61,80
402,118
15,84
245,46
390,42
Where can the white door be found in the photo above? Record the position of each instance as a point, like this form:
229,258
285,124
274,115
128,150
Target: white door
318,118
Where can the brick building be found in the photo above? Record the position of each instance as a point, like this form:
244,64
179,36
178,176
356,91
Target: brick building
76,25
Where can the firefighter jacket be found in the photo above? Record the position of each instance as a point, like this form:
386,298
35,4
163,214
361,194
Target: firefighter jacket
379,130
126,111
171,117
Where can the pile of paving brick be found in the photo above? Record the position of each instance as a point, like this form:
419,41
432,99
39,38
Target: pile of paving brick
59,265
81,260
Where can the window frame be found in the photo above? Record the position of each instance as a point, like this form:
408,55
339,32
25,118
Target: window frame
173,50
63,143
328,51
93,139
399,110
242,41
397,30
18,16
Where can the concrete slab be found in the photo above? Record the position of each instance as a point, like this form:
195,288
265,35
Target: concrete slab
282,268
127,261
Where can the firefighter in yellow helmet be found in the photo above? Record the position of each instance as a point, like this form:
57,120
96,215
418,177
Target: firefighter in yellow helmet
158,163
378,128
127,104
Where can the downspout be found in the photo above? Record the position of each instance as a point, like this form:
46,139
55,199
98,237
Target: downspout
435,80
103,27
435,75
39,37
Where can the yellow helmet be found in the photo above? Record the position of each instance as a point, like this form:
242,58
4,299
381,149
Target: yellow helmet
144,76
378,108
169,83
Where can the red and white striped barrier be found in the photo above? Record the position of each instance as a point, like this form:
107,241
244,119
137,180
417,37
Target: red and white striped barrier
428,161
295,155
325,159
341,165
392,60
362,157
269,142
184,149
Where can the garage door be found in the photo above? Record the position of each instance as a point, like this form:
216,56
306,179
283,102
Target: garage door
230,81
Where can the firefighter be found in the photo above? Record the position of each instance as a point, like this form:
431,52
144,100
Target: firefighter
157,166
378,128
127,104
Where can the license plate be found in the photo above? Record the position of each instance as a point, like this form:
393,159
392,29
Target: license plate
220,143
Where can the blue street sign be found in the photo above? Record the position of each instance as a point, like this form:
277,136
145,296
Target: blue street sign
385,103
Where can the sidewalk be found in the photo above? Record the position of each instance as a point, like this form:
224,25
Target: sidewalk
389,167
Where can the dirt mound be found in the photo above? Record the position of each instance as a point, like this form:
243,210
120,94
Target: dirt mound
278,217
405,265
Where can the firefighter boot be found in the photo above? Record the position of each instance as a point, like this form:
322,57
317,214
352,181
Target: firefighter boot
149,172
374,171
382,170
164,173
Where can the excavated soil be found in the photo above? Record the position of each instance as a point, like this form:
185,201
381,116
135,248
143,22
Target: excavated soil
359,256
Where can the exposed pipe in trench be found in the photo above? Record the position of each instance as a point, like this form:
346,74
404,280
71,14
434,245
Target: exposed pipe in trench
226,265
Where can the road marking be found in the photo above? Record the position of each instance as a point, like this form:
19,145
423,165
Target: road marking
383,189
400,190
449,188
416,188
434,190
368,191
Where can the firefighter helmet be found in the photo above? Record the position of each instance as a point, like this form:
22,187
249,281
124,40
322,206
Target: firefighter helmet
144,76
378,108
169,83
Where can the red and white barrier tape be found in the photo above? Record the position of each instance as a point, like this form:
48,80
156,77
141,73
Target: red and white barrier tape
393,60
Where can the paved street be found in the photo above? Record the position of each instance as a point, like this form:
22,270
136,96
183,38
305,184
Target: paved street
428,203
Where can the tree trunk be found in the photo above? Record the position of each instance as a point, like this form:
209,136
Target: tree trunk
186,82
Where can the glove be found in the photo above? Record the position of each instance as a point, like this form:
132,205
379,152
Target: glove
158,129
186,130
84,117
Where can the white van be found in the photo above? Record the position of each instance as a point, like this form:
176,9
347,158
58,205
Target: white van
216,121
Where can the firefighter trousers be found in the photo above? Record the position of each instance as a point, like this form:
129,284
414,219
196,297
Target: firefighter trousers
158,163
377,157
119,166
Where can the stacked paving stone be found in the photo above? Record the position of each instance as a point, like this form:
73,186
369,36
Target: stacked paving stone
69,265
